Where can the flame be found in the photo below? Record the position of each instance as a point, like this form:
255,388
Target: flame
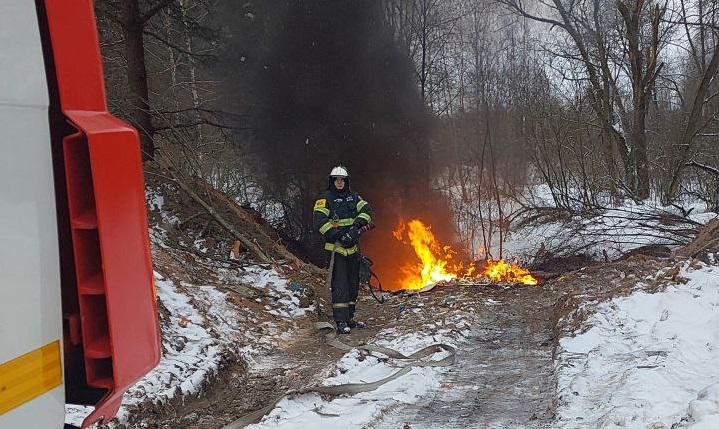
435,261
430,268
500,271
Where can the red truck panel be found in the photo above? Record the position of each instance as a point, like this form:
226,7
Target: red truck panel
106,200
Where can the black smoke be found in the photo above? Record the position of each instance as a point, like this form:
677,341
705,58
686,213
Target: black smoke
336,89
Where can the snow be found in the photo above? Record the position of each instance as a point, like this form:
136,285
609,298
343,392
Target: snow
646,360
312,411
191,352
75,414
284,304
613,232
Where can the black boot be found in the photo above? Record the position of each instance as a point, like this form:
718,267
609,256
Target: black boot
356,324
343,328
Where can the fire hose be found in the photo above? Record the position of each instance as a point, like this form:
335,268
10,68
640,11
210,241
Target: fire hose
413,360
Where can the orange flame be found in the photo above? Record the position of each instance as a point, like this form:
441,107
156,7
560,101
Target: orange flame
500,271
430,268
435,261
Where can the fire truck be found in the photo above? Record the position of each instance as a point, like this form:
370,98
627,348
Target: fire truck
78,317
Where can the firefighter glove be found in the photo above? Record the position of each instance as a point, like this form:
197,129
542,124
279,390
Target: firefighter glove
333,234
350,237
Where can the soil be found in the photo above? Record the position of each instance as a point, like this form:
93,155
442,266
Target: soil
503,377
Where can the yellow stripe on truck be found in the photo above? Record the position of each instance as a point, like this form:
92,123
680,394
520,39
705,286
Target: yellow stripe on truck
29,376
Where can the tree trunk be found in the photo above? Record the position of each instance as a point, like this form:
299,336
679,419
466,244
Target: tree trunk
693,125
138,97
643,73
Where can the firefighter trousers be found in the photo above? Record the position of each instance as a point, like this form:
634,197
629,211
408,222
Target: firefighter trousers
345,286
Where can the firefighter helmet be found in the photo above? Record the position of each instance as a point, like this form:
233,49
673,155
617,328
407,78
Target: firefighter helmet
336,172
339,171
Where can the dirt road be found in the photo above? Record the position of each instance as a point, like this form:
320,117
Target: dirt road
503,374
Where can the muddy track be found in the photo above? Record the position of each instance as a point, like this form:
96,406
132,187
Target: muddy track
503,375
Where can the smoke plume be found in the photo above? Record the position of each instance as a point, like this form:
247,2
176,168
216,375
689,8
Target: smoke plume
337,90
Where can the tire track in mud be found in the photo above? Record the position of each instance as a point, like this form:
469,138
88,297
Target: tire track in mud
503,377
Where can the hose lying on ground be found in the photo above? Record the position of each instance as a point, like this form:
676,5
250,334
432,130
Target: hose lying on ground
413,360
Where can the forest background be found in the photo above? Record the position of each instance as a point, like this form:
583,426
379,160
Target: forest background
451,111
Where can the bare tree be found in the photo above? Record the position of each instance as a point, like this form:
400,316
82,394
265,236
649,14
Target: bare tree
697,94
639,41
130,29
644,66
426,30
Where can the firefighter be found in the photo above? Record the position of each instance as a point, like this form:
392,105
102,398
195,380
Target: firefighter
339,215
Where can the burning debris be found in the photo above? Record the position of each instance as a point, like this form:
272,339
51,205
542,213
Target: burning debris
437,262
501,271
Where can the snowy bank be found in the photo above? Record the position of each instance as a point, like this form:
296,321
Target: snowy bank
647,360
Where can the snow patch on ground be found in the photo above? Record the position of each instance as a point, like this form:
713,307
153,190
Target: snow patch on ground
190,353
283,295
203,325
703,412
312,411
614,230
648,360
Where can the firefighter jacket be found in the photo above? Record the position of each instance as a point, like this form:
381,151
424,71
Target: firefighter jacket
337,211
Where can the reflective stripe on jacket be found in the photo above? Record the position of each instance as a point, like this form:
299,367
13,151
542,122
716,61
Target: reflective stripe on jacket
340,210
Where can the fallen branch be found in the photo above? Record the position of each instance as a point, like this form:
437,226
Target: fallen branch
707,238
252,247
